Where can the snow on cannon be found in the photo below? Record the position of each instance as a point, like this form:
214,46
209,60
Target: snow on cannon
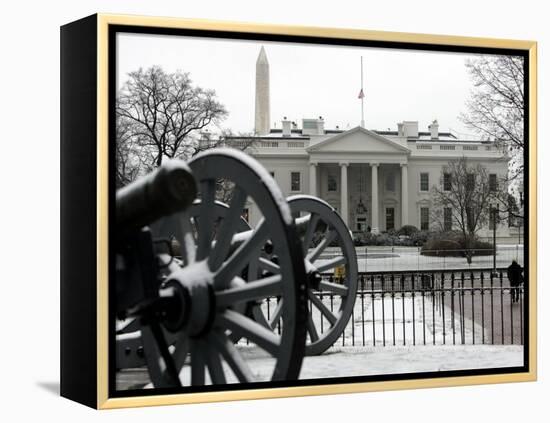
183,278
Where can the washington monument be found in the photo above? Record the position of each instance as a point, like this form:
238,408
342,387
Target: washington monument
262,119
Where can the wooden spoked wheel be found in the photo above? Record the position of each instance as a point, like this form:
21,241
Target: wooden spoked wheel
195,346
328,248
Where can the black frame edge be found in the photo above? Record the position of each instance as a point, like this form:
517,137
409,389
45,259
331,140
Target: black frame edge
78,325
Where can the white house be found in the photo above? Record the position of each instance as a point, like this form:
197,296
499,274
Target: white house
377,180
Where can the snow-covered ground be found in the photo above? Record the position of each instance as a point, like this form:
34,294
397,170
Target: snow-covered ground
363,361
405,321
345,359
378,259
366,361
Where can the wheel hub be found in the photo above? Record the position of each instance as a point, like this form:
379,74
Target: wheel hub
193,286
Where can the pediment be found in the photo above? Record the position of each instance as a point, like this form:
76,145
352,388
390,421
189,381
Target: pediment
358,140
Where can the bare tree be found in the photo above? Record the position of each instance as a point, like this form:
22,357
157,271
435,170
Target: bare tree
496,106
464,199
127,158
165,112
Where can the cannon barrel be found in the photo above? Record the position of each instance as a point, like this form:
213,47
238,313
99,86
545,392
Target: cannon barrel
168,189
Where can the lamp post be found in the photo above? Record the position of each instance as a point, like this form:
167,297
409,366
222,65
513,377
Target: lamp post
520,217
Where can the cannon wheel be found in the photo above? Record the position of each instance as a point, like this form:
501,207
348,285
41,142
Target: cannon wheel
320,220
210,273
128,340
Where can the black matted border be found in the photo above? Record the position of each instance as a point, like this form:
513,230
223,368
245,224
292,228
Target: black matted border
115,29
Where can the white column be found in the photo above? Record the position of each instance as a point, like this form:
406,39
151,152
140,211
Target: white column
374,197
404,195
313,179
344,191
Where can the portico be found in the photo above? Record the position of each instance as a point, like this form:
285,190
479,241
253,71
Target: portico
364,179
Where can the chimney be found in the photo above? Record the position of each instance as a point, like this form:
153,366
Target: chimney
286,127
400,132
434,130
320,126
410,128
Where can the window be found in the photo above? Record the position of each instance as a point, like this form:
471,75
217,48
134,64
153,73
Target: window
424,218
390,182
446,182
390,218
492,182
424,181
447,219
470,218
295,181
470,181
331,183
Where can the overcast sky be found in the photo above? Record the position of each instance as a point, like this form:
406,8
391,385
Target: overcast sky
308,81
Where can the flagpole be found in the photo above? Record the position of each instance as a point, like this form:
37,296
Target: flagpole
362,97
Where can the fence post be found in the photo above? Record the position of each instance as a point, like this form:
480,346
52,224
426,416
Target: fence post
453,306
413,307
492,309
501,310
462,310
373,313
442,305
473,315
482,308
433,307
393,307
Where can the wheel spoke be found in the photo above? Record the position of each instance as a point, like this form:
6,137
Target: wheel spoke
312,225
269,266
276,314
232,356
181,349
242,326
159,361
331,264
333,287
207,215
313,255
197,363
251,291
311,329
227,229
214,364
186,238
242,256
322,308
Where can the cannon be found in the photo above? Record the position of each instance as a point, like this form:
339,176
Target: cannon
182,313
193,277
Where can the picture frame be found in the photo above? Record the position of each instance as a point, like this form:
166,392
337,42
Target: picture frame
90,301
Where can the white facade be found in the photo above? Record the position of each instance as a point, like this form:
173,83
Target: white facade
372,178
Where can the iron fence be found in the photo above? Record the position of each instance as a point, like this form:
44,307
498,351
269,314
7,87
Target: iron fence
438,308
399,259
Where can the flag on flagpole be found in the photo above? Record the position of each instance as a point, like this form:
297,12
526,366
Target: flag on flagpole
361,94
